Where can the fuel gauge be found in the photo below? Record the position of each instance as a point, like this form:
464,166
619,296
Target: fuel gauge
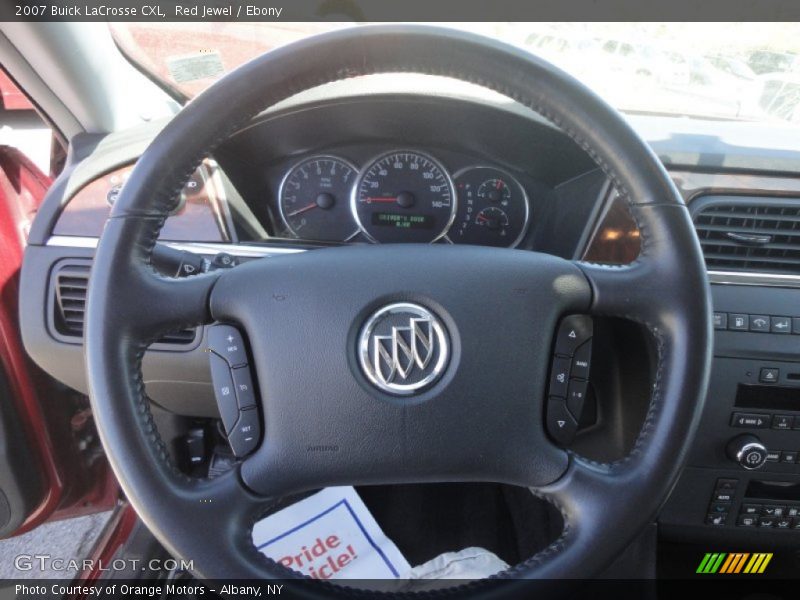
492,208
494,190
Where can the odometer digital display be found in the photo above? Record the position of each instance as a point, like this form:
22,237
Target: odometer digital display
402,221
404,196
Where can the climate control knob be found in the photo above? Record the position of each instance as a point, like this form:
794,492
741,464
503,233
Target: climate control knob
748,451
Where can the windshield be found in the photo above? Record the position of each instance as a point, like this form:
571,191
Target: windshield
722,70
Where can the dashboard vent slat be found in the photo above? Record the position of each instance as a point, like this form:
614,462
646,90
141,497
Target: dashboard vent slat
70,283
760,235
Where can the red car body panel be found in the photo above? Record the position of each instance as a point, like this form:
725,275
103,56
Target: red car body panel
12,96
116,533
68,489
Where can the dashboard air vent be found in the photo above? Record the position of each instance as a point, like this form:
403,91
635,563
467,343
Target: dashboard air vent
70,282
749,234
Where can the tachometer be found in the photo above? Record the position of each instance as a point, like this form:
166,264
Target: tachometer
404,196
492,208
314,199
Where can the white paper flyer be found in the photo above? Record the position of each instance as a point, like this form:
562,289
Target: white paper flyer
330,535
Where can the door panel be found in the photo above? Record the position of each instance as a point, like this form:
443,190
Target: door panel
30,486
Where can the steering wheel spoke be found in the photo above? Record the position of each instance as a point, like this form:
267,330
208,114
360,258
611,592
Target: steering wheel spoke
168,304
141,303
620,291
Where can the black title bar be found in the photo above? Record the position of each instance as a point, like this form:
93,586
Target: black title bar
399,10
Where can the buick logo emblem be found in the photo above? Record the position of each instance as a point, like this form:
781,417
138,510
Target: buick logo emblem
403,348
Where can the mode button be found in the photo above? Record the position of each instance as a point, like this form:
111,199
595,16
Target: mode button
750,420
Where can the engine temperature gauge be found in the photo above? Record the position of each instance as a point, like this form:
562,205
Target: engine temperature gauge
492,208
493,218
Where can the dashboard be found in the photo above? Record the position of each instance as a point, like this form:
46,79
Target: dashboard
382,167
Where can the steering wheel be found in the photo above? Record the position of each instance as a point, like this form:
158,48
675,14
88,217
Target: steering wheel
481,417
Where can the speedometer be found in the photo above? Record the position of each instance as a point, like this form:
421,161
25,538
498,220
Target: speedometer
404,196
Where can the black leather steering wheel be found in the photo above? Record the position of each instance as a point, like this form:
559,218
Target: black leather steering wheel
483,421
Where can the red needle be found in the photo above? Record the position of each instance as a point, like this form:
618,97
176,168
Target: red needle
302,210
482,218
499,184
386,199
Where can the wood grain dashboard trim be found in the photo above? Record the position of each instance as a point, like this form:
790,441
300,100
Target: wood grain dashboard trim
616,238
202,215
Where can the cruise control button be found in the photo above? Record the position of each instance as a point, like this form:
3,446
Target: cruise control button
750,420
226,341
759,323
573,332
781,325
582,360
224,391
244,437
559,377
223,260
560,424
245,394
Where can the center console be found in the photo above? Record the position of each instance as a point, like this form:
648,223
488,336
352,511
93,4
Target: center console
743,473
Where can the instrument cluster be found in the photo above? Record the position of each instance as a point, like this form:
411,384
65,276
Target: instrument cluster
401,196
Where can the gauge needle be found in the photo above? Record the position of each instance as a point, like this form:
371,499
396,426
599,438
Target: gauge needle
384,199
481,218
302,210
